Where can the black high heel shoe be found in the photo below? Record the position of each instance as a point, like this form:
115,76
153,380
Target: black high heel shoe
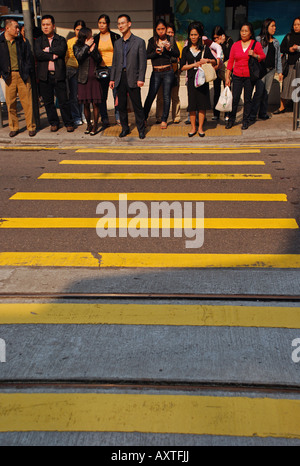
94,130
88,129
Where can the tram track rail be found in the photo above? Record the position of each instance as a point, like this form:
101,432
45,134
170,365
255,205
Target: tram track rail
185,386
168,296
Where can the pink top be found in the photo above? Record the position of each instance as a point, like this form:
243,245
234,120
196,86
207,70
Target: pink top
238,58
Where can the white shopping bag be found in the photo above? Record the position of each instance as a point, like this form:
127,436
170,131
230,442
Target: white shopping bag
225,101
199,77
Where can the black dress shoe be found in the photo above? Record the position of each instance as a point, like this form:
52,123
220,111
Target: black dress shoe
190,135
278,112
229,124
264,117
12,134
245,125
201,135
142,135
124,133
104,126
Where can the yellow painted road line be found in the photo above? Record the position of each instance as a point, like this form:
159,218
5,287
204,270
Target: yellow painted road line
178,414
147,260
149,314
30,148
157,149
209,223
162,162
154,176
246,197
167,150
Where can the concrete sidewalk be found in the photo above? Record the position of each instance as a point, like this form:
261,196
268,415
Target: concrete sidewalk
278,129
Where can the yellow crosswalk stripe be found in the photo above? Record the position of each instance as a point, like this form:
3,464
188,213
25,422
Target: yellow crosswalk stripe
69,196
209,223
167,150
181,414
162,162
155,176
147,260
150,314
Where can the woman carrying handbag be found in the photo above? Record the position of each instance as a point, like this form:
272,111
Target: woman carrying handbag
290,46
194,55
219,36
240,53
89,88
271,48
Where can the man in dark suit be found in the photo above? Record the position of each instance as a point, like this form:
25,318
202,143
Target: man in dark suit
50,51
128,74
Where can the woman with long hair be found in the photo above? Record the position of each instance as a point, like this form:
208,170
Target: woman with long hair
239,56
105,41
195,54
175,101
226,42
72,74
89,88
271,48
290,46
161,49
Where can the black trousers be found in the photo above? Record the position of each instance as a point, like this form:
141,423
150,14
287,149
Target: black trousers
48,90
238,84
135,97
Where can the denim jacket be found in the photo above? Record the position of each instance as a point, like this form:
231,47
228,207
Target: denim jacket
278,65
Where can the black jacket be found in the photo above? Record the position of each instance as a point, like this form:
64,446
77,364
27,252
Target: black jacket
83,55
59,48
166,57
25,58
113,35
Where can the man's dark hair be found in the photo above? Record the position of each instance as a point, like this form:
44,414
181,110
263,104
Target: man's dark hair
125,16
9,21
49,17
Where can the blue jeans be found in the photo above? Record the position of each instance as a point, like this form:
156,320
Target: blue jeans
261,96
166,78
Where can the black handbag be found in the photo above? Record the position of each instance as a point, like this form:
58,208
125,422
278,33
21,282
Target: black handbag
257,69
285,59
102,72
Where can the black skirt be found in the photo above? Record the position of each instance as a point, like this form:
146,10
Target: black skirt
198,97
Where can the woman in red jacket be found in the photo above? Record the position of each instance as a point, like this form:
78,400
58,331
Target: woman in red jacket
238,61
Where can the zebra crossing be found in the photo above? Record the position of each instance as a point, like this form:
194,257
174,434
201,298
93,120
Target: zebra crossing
144,259
158,369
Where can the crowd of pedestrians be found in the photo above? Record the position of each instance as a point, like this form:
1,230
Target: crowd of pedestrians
76,75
